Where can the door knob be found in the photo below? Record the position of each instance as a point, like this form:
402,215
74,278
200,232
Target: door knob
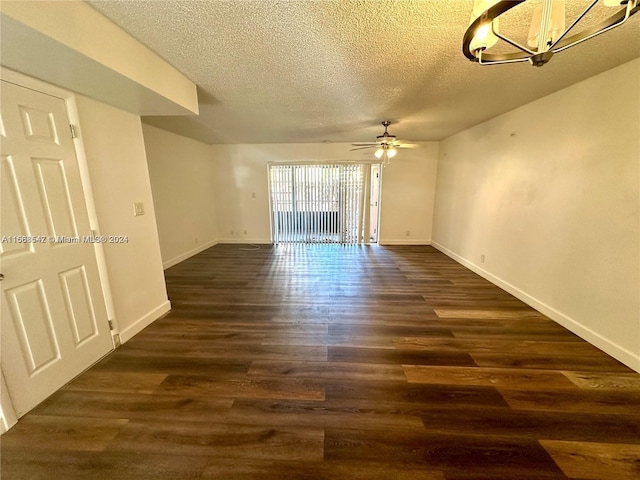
1,277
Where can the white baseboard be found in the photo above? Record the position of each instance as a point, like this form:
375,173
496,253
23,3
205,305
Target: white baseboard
631,359
248,241
402,241
190,253
143,322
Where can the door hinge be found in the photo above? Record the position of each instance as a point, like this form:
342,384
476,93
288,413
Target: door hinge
73,130
111,325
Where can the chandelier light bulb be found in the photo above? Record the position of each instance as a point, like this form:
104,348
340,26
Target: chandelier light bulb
379,152
555,27
484,37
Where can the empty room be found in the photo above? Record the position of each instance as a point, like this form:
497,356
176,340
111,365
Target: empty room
320,239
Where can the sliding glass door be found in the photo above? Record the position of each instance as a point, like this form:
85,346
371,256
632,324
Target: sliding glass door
320,203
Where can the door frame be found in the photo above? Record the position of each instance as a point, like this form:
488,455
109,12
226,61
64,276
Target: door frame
377,200
8,416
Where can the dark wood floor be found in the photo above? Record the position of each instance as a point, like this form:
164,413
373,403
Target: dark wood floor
331,362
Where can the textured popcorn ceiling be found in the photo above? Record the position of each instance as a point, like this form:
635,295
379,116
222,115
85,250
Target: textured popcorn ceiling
332,70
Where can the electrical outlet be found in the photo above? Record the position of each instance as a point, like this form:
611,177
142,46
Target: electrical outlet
407,233
245,232
138,209
482,258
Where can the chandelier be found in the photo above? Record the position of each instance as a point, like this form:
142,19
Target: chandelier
547,35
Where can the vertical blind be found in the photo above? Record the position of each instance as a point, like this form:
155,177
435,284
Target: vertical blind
320,203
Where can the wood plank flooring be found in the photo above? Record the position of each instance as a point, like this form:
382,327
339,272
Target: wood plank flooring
329,362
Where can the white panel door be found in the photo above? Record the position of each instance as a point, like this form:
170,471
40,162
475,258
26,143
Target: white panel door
54,323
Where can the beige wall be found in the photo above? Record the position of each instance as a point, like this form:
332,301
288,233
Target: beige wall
549,193
117,164
408,187
182,175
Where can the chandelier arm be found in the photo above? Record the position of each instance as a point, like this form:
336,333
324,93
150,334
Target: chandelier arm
612,22
499,60
573,24
502,57
512,42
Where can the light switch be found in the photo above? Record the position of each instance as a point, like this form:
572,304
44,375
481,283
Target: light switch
138,209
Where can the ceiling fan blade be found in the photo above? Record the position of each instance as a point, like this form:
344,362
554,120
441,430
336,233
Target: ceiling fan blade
408,145
362,148
370,144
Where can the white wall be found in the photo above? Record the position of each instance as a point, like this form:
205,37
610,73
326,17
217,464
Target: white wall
408,187
408,194
70,44
183,175
117,164
549,193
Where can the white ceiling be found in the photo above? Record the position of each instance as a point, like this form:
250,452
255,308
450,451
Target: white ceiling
298,71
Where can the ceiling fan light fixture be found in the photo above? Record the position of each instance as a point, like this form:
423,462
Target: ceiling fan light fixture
548,34
386,138
386,145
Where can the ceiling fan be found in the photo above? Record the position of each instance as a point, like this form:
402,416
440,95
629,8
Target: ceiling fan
386,144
